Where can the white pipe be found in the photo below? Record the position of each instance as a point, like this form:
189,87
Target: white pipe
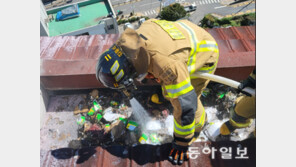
223,80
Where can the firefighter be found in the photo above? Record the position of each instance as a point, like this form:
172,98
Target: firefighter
244,109
169,52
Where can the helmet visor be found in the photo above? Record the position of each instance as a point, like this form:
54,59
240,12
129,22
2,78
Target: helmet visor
107,79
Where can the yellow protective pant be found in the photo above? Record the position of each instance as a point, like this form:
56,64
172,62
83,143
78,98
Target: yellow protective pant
240,117
200,114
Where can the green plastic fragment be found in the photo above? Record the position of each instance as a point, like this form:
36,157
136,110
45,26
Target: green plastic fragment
81,120
131,125
107,125
123,120
143,138
99,117
205,92
91,112
154,138
114,103
221,95
97,107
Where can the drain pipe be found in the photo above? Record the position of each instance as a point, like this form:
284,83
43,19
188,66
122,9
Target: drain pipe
223,80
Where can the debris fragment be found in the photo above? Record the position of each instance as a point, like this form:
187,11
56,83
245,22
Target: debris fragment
143,139
94,94
110,116
91,112
87,126
154,138
81,120
99,117
205,92
117,130
120,121
78,111
114,103
221,95
97,107
153,125
131,125
165,113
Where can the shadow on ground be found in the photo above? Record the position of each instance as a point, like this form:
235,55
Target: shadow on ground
141,154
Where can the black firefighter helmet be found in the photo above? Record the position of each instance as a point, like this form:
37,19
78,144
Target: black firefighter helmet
113,69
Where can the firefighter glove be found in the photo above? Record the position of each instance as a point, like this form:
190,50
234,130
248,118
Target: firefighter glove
178,154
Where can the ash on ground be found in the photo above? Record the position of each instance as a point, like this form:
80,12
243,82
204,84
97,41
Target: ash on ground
107,117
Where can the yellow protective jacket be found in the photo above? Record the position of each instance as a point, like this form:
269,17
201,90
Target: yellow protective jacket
171,51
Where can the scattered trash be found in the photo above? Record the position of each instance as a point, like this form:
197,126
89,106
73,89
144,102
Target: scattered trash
114,103
87,126
94,94
213,130
116,120
169,124
81,120
110,116
77,110
153,125
123,107
123,120
99,117
205,92
143,139
97,107
221,95
154,138
91,112
131,125
165,113
117,130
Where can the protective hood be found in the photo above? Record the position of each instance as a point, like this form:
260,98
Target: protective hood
135,50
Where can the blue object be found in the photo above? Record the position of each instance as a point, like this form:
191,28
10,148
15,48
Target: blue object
70,12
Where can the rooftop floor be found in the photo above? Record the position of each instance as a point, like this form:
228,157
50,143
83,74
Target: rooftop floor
90,15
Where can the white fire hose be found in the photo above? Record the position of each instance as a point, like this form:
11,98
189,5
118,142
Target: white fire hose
224,81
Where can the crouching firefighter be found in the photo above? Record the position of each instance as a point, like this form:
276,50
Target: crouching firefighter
170,52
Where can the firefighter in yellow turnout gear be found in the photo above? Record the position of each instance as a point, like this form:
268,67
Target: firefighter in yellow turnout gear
244,109
171,52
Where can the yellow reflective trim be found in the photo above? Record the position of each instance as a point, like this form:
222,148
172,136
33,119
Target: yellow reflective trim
184,127
184,133
207,50
114,67
109,56
179,89
212,46
193,43
184,130
202,119
176,86
186,90
208,69
119,75
170,28
207,42
106,58
240,125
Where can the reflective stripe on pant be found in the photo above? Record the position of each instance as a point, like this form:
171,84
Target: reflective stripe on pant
200,115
